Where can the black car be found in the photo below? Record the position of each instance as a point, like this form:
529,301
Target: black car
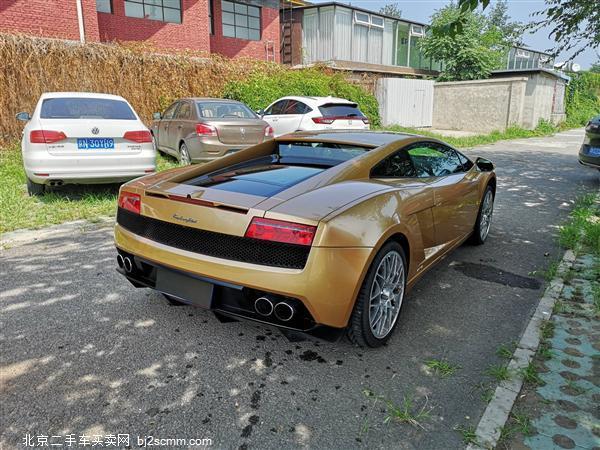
589,154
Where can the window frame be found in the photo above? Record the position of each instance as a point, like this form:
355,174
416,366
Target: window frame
390,156
175,106
270,108
382,25
413,30
181,105
110,7
248,17
144,3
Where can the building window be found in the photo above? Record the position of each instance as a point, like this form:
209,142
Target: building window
240,20
104,6
163,10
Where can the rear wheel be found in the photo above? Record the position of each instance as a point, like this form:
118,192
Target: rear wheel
484,217
380,298
184,155
35,188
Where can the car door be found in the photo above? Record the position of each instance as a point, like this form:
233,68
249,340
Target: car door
455,189
291,116
164,141
180,124
398,171
273,114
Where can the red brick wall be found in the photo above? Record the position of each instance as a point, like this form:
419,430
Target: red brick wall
233,47
48,18
192,33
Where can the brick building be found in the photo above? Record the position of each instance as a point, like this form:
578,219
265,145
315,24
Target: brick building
227,27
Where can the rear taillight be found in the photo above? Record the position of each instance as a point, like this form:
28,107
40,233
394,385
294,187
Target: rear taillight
269,132
204,130
323,120
140,137
46,136
130,201
281,231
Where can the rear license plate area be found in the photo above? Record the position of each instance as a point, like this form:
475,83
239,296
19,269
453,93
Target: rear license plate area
186,288
594,151
95,144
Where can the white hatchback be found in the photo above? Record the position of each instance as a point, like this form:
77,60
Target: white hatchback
84,138
289,114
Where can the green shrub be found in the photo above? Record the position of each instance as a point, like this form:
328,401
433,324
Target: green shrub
583,98
260,90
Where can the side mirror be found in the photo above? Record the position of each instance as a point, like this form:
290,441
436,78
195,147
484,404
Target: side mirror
23,116
157,116
260,112
485,165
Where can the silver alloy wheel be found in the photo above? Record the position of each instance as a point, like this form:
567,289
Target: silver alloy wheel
386,294
487,209
184,156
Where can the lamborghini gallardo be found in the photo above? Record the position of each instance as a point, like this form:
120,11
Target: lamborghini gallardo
318,233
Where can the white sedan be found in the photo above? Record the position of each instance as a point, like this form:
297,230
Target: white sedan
289,114
84,138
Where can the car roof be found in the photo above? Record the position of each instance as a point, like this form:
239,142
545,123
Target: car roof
209,99
81,95
317,101
365,138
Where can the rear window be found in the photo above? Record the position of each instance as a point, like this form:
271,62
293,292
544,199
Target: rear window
225,110
86,108
324,153
340,110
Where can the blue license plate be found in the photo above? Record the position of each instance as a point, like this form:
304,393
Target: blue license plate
95,143
594,151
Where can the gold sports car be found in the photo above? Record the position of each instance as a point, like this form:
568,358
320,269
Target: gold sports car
318,233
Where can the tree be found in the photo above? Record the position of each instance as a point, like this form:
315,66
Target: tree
391,9
595,67
573,24
477,48
512,31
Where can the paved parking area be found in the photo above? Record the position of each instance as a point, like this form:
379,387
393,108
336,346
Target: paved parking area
85,353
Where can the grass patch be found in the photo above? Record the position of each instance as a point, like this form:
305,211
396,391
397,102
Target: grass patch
545,351
441,367
506,351
583,225
547,329
531,375
407,413
500,373
71,202
544,128
468,434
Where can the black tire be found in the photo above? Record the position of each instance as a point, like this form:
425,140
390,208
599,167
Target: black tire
359,329
478,237
35,188
173,301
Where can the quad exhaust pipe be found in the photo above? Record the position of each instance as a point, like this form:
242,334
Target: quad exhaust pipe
125,263
282,311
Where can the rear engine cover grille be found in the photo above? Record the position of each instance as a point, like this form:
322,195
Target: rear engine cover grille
255,251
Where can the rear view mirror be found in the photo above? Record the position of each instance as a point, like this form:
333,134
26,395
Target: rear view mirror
157,116
485,165
23,116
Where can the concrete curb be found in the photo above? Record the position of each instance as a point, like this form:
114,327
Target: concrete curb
497,412
22,237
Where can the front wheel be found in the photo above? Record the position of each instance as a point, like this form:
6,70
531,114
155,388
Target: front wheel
35,188
380,298
484,217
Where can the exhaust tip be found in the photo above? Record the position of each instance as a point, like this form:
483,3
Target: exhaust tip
263,306
127,264
283,311
120,261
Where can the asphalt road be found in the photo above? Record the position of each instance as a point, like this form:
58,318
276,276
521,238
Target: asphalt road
83,352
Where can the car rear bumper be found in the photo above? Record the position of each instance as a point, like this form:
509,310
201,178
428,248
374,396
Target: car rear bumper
203,151
326,287
588,160
42,167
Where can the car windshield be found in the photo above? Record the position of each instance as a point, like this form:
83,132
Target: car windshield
340,110
86,108
225,110
325,153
